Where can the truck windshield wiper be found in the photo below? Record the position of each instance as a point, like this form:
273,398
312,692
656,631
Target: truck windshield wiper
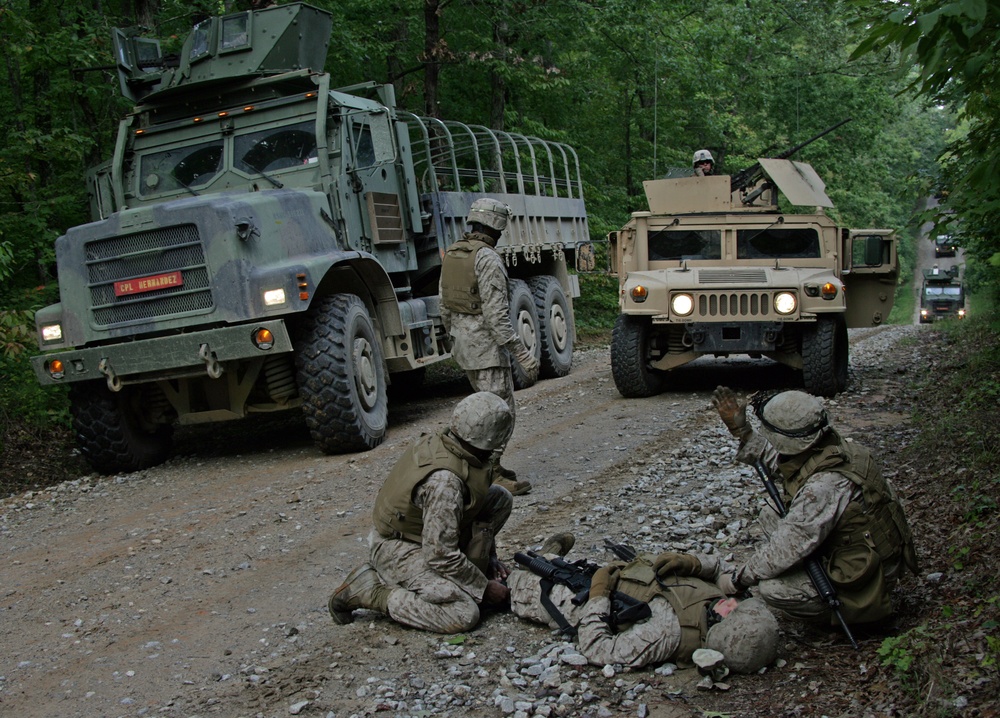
263,174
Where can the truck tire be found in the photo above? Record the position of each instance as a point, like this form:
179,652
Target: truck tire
111,431
630,358
525,323
824,357
555,324
341,376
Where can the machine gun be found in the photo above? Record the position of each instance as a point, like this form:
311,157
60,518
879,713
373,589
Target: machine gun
751,175
576,576
817,574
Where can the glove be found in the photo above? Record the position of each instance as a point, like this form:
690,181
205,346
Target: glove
677,564
604,581
732,411
528,363
727,584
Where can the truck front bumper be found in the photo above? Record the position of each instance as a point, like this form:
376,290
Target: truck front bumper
200,353
734,337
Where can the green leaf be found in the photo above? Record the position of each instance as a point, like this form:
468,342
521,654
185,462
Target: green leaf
456,640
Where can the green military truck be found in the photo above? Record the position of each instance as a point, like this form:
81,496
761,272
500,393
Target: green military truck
716,268
942,295
261,241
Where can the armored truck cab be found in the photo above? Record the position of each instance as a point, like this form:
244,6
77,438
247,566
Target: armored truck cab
941,295
711,269
262,241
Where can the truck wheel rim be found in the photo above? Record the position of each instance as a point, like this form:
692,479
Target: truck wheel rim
526,329
365,376
559,327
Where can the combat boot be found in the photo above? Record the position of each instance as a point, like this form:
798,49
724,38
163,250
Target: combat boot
559,544
361,589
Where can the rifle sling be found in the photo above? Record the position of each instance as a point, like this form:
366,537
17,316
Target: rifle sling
546,601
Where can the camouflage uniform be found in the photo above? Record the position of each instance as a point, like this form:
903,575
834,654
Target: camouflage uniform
484,343
654,640
816,514
437,587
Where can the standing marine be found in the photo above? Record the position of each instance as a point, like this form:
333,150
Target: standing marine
475,309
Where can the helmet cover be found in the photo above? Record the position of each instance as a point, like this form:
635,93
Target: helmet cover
484,420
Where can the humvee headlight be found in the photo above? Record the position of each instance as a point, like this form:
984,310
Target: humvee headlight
263,338
828,290
682,304
923,312
961,313
52,333
56,369
638,293
274,297
785,302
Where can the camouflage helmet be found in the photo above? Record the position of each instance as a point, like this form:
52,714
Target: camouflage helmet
747,637
484,420
792,421
490,213
702,156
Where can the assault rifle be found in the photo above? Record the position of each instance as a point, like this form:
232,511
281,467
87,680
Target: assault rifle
752,174
817,574
576,576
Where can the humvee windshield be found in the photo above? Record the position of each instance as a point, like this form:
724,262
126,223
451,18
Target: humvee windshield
676,244
777,243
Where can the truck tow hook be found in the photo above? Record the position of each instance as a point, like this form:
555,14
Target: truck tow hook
212,365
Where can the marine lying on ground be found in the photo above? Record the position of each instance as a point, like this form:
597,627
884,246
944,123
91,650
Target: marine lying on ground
716,267
261,241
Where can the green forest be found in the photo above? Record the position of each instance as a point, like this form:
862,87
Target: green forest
635,88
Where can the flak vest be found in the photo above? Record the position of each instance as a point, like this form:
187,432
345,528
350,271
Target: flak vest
395,515
459,283
872,531
690,598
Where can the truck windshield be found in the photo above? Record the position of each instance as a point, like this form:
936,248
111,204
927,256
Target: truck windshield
943,291
276,148
182,167
777,243
677,244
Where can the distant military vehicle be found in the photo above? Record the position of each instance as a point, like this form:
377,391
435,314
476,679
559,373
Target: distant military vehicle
262,241
715,267
944,246
941,295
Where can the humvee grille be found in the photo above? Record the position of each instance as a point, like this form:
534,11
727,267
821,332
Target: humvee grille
156,251
733,304
751,275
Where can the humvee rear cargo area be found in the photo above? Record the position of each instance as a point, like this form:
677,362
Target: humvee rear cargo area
262,241
717,269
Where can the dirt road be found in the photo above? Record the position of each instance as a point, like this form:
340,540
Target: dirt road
180,589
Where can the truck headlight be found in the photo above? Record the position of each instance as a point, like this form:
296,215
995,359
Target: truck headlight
785,302
52,333
682,304
274,297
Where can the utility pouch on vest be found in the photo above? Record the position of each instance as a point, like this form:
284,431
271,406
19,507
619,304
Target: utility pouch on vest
856,572
480,545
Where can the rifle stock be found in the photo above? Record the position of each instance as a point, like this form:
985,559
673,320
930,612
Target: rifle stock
817,574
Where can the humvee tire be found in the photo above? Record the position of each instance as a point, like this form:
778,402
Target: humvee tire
824,357
341,376
555,324
525,323
629,358
111,431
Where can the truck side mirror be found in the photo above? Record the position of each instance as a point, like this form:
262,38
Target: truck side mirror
613,253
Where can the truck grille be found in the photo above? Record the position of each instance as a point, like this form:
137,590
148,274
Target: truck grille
156,251
733,304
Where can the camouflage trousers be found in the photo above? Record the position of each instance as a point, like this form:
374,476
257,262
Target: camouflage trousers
423,598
